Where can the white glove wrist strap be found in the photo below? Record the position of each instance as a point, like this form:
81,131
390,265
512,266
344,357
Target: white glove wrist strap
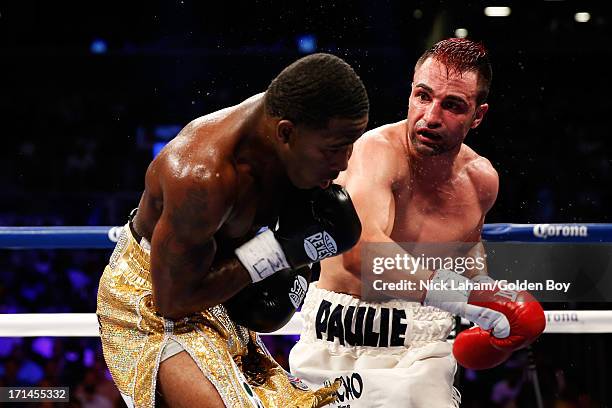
444,294
262,256
454,300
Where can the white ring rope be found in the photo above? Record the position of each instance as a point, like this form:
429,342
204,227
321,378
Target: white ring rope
86,324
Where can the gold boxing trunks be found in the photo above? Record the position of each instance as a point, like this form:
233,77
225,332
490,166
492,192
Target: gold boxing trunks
233,358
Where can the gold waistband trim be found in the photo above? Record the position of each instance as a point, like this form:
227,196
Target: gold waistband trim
138,260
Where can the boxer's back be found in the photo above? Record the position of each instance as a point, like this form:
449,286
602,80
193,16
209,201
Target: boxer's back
206,147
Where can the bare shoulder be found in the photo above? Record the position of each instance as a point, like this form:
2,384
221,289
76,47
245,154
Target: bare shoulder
198,153
212,171
381,148
196,176
386,137
483,176
200,159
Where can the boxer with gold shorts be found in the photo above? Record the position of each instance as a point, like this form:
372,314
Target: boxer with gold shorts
240,199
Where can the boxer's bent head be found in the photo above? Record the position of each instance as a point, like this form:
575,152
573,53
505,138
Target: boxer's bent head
449,90
320,108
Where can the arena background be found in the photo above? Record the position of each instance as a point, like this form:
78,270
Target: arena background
89,90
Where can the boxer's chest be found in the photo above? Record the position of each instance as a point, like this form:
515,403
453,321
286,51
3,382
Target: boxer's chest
447,214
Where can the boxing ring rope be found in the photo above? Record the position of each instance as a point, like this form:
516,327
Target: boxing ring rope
86,325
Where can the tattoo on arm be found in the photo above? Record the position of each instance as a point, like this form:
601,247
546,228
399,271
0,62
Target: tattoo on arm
191,213
184,261
189,220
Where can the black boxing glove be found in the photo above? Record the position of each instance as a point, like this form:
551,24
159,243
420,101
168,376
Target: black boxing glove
318,224
268,305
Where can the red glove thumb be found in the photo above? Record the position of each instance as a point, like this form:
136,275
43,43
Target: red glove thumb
473,349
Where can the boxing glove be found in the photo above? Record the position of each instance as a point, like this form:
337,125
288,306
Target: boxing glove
268,305
525,315
510,319
473,349
319,224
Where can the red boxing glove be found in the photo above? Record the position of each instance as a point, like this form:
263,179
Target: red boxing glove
508,320
525,315
473,349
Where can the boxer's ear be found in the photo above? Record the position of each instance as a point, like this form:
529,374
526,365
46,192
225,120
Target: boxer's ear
284,129
481,111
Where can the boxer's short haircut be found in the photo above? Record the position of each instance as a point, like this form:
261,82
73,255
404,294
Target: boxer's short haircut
462,55
315,89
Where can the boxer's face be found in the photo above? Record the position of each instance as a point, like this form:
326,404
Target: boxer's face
315,157
442,108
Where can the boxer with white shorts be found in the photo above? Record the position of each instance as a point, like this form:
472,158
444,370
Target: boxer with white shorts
415,181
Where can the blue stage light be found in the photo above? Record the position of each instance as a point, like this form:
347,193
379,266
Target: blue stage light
98,46
307,43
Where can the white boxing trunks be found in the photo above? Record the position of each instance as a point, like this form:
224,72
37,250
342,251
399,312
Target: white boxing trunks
391,354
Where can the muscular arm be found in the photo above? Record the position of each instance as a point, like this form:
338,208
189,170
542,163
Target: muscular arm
373,169
186,279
